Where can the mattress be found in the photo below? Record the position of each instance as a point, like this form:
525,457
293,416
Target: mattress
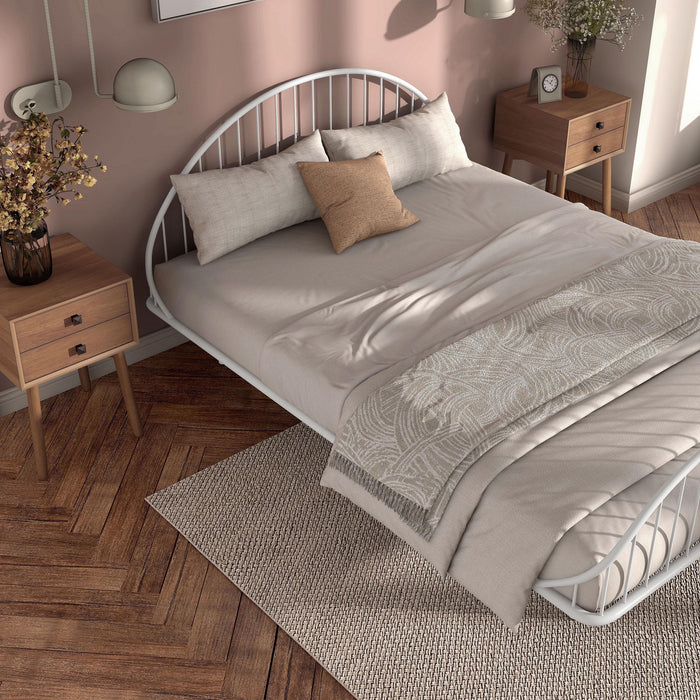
244,302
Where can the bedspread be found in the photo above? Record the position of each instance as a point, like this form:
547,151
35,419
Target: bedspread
411,441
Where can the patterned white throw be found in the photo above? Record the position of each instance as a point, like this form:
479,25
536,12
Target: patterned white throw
409,443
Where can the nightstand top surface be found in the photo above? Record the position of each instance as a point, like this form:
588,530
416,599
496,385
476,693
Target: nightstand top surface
77,270
569,107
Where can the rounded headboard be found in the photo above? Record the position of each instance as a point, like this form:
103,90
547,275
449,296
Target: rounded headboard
277,118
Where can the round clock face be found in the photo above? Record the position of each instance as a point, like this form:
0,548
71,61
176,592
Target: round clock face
550,82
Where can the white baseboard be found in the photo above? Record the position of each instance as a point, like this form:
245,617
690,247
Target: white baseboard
641,198
14,399
592,188
631,202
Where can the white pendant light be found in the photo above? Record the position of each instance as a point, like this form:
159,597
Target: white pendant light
489,9
140,85
144,85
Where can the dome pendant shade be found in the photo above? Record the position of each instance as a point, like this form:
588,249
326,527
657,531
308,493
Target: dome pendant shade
489,9
144,85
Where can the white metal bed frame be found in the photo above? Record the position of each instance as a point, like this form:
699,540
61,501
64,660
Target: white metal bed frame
339,88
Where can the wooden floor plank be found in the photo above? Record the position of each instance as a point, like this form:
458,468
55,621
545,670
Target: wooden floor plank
39,690
129,509
166,598
214,620
88,435
326,687
98,578
76,604
292,671
115,672
684,216
189,588
273,417
151,557
92,636
661,221
249,661
638,218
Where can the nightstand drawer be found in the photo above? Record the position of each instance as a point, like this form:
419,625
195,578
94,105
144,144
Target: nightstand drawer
71,318
595,148
593,125
52,357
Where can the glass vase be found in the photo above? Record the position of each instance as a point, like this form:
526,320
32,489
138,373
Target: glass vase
26,257
579,55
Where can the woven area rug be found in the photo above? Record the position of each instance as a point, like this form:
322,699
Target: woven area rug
383,622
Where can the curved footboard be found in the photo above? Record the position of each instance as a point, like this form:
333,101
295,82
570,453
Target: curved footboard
673,499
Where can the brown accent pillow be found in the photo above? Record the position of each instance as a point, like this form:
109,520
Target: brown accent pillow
355,199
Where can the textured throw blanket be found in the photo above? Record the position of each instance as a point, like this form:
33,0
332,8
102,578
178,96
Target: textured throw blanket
410,442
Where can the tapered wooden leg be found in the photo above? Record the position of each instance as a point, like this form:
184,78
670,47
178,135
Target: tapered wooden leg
507,164
561,185
84,374
37,429
549,187
607,186
127,393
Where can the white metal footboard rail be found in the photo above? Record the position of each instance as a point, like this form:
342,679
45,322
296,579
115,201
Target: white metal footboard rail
632,591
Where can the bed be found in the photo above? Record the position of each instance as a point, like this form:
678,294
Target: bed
593,505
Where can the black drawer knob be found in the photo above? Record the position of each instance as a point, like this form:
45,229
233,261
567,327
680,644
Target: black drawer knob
600,125
76,319
597,149
80,349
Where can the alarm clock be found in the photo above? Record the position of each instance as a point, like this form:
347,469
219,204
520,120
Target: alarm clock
545,82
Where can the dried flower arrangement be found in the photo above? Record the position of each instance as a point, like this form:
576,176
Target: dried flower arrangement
40,160
583,20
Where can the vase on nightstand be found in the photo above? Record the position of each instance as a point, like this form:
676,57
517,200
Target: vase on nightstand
579,56
26,257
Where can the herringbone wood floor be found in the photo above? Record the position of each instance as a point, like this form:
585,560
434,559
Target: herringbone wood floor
100,597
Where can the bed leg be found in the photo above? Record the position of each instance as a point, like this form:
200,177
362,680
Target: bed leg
561,185
507,164
549,187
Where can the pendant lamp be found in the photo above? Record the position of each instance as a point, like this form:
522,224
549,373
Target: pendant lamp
489,9
140,85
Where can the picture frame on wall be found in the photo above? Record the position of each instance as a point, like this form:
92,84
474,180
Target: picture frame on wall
167,10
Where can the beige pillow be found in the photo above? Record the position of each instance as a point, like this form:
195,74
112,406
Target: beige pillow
416,146
231,207
355,199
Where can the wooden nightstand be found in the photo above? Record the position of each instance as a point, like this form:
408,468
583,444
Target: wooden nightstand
565,136
82,313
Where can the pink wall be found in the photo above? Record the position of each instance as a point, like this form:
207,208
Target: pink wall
219,59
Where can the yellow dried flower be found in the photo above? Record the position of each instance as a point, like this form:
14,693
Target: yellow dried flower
32,172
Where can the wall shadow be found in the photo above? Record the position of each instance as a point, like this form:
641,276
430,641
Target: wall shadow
410,15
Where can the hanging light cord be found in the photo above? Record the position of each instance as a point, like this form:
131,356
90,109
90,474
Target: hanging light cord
56,83
92,49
